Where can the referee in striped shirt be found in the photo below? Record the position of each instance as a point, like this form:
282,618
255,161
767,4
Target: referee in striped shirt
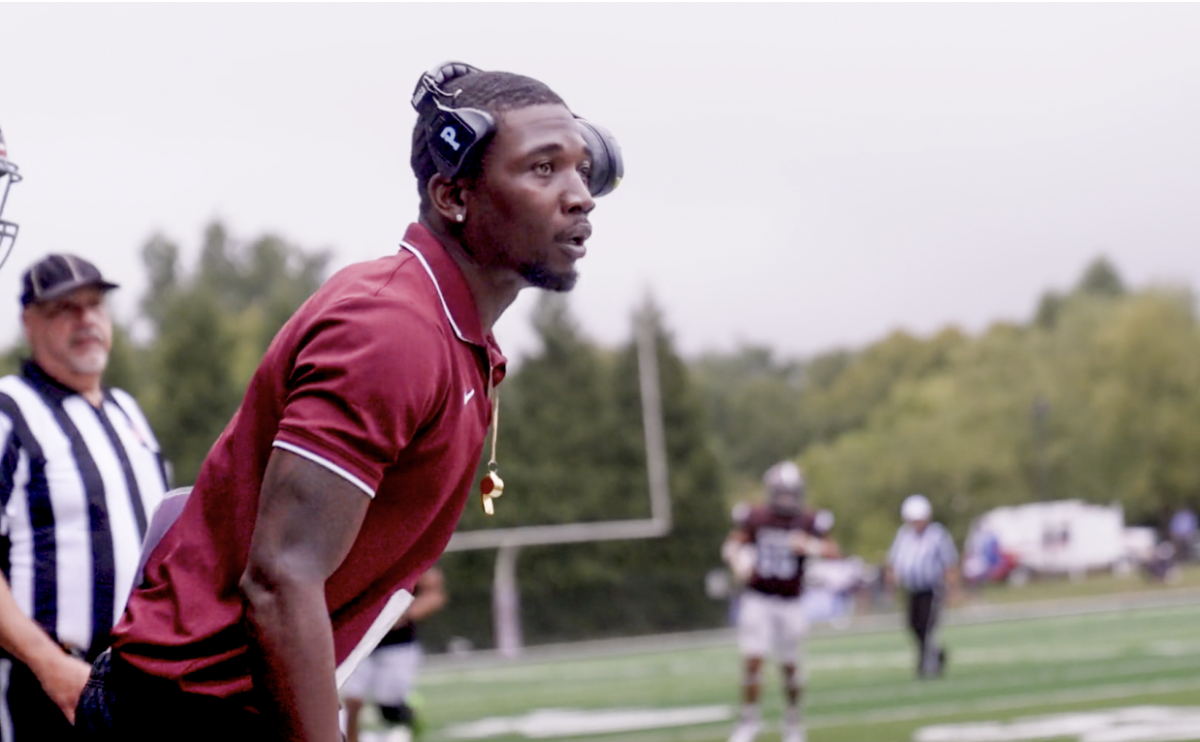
80,472
924,562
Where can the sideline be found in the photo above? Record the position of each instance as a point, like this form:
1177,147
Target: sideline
865,624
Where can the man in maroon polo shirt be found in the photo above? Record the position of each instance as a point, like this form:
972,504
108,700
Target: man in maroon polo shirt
345,470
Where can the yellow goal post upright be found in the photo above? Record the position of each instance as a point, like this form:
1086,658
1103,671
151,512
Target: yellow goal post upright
508,541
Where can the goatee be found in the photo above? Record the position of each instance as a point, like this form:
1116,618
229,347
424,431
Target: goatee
543,278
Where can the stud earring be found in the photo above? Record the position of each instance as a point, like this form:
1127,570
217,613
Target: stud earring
460,217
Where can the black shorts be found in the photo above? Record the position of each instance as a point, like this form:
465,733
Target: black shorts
123,704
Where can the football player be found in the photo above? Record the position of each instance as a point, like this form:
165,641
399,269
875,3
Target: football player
769,546
9,174
387,675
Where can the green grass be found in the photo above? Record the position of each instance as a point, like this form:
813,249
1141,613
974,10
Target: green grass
860,688
1057,588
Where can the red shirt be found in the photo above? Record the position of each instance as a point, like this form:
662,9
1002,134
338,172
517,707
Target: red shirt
381,377
778,569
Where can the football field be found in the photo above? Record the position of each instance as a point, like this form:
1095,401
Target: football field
1092,674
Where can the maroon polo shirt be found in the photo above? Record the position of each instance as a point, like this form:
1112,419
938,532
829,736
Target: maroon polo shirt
380,377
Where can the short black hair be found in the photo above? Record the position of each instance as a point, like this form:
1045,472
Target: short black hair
494,92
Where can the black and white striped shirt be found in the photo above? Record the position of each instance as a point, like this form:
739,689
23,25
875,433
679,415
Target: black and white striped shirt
920,560
77,485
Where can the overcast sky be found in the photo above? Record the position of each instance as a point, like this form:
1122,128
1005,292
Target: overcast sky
801,176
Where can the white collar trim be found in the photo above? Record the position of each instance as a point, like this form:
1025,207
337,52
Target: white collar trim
445,307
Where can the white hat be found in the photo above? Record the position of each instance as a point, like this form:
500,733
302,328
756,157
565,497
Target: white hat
916,507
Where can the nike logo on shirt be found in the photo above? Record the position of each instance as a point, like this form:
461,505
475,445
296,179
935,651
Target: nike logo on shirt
467,396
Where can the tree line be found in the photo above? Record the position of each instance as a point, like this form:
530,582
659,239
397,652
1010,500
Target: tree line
1097,396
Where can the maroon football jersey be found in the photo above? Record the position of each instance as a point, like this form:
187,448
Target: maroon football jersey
778,569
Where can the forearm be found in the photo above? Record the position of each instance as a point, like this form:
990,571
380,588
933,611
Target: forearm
290,626
60,675
422,607
729,548
284,585
429,597
21,637
952,581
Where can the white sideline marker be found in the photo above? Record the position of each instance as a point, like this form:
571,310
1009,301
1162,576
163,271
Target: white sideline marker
387,618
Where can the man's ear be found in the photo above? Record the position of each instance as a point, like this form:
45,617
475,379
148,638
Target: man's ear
28,322
446,197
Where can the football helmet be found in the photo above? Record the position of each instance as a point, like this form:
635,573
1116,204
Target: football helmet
785,486
9,174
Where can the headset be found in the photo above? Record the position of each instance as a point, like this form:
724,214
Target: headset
456,137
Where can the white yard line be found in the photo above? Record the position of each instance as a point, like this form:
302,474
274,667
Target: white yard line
653,723
1007,703
1129,724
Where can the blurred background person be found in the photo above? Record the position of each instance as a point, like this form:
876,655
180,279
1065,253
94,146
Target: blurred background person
831,583
387,675
767,550
985,560
924,562
80,474
1182,530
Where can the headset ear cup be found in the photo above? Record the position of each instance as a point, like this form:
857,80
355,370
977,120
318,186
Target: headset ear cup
454,135
608,167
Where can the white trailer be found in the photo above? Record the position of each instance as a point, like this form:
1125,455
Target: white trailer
1069,537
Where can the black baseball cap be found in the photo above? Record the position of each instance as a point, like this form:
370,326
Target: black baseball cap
58,275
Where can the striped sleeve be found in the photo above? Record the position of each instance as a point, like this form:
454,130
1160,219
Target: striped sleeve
10,452
949,554
895,547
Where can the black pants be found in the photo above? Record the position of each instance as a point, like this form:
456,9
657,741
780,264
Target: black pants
123,704
924,611
34,716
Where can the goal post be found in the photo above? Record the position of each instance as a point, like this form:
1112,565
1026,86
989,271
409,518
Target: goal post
508,541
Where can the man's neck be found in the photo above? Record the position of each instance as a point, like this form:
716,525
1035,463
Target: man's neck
94,395
87,386
493,291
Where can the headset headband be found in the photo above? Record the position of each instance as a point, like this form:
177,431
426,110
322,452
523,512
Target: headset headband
434,79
